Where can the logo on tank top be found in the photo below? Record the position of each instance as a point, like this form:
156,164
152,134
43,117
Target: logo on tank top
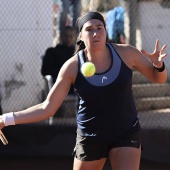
104,78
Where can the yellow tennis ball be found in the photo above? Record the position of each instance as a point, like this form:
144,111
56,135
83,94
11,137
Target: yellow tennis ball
88,69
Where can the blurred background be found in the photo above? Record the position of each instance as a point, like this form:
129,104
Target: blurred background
27,29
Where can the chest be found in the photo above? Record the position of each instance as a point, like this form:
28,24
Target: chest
122,83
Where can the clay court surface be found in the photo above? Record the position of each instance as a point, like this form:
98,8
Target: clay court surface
39,142
54,163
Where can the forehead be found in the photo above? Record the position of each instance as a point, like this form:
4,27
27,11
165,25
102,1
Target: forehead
93,22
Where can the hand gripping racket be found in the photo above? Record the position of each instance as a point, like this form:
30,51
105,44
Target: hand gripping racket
3,138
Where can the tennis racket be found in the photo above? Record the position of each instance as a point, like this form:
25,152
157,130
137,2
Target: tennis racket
3,138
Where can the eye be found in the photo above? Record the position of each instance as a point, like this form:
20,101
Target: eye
88,29
100,27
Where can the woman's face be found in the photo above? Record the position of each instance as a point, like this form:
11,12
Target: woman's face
93,34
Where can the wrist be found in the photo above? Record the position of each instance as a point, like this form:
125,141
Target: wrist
161,69
8,119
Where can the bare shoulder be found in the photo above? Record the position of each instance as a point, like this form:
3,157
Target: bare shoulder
127,53
125,48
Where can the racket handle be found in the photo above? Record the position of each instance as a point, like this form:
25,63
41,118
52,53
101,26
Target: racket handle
3,138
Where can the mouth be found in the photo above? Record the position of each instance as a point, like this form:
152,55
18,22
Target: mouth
96,41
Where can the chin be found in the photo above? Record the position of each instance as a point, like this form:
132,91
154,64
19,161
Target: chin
96,47
98,44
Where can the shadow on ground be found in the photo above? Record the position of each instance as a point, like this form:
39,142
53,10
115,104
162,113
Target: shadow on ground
65,163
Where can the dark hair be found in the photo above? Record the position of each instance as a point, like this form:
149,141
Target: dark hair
88,16
79,46
79,43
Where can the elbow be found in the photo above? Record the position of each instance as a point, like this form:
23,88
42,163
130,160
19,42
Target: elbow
49,112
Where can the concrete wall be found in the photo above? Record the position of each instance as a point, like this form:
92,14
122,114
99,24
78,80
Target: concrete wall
154,23
26,32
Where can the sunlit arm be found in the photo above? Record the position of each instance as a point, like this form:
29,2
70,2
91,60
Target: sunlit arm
52,103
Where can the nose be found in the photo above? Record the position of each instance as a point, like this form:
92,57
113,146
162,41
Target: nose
95,34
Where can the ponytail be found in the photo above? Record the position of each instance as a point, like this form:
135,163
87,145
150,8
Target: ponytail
79,46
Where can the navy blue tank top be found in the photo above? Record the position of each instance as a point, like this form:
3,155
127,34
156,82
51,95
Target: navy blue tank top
106,106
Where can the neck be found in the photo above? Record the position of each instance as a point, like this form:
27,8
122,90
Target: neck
100,58
96,55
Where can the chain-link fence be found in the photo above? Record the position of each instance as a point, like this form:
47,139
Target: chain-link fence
28,28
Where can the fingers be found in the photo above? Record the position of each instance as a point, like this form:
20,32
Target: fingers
157,45
163,49
161,57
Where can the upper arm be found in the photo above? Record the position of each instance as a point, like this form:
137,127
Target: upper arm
133,58
142,64
62,85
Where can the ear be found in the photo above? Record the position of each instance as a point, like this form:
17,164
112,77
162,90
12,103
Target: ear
80,36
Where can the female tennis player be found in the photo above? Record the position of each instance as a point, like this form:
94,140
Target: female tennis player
107,120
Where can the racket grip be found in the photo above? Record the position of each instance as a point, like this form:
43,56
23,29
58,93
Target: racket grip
3,138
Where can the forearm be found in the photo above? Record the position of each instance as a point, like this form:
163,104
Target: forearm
160,76
32,114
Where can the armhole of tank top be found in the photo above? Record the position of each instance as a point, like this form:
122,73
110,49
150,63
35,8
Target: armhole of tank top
81,57
80,61
78,56
119,56
111,45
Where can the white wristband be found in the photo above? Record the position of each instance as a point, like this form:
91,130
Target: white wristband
8,119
